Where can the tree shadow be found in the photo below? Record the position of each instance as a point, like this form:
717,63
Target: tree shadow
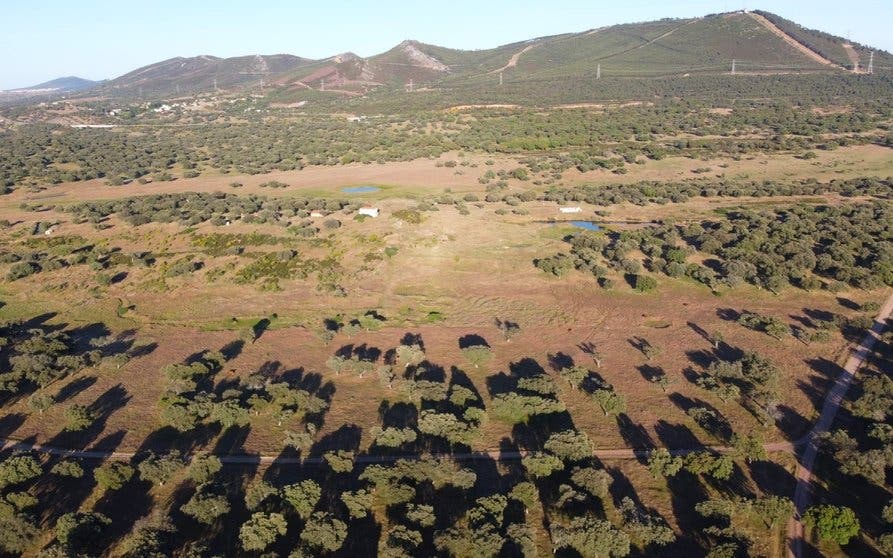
232,349
362,352
713,421
101,409
676,435
73,388
458,377
772,478
83,335
791,423
560,361
634,434
410,339
701,332
472,340
10,422
728,314
259,328
398,415
346,437
109,442
651,373
426,371
143,350
526,368
39,321
232,441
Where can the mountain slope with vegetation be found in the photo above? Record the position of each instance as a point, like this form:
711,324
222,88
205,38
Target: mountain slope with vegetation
759,43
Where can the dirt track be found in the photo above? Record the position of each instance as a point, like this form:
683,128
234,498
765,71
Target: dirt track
813,55
853,56
802,494
513,61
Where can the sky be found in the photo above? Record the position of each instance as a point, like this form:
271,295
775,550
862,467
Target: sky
99,39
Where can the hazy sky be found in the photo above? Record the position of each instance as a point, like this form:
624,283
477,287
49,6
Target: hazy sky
99,39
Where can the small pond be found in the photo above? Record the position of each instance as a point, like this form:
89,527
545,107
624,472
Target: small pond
364,189
588,225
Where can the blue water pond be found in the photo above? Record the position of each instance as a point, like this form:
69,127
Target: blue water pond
360,189
588,225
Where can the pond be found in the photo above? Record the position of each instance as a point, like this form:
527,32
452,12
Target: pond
364,189
588,225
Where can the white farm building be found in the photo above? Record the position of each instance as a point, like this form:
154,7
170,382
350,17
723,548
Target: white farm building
576,209
370,211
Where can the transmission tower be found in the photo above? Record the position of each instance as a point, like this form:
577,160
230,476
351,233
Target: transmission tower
410,85
322,84
500,79
733,66
598,72
871,63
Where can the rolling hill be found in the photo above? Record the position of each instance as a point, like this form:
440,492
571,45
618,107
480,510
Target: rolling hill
68,84
47,90
200,74
756,43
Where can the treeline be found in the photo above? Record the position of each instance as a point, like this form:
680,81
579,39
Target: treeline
643,193
217,208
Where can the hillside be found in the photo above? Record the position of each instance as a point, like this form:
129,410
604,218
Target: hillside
850,55
758,43
59,85
47,90
200,74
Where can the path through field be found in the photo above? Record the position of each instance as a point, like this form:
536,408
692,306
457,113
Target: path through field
802,493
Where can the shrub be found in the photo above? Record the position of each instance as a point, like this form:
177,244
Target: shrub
645,283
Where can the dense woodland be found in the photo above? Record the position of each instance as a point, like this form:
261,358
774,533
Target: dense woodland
810,247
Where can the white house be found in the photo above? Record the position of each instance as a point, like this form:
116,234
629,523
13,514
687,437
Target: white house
370,211
576,209
316,214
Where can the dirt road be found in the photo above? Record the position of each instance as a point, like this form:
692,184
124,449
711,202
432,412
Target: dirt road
513,61
853,56
803,49
269,459
803,494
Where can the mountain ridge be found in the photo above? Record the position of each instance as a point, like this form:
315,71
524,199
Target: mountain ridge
756,42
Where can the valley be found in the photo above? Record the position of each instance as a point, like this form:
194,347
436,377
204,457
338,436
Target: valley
595,294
